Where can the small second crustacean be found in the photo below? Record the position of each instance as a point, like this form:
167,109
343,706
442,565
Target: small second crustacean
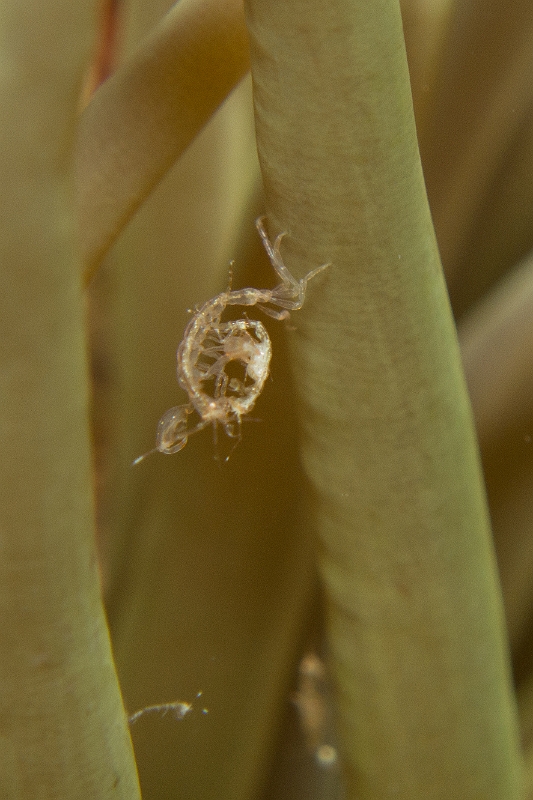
223,366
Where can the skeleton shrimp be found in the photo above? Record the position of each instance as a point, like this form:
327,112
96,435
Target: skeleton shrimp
209,346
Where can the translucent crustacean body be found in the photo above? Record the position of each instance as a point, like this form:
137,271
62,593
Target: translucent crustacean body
223,365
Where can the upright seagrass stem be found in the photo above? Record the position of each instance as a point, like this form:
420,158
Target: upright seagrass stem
415,621
142,119
206,588
63,730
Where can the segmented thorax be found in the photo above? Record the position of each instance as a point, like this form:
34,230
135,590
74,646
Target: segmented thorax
223,367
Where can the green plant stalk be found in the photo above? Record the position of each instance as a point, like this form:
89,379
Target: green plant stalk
63,731
207,587
497,347
479,118
141,120
415,620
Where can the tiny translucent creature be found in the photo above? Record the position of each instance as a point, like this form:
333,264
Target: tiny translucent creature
179,708
223,366
313,702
